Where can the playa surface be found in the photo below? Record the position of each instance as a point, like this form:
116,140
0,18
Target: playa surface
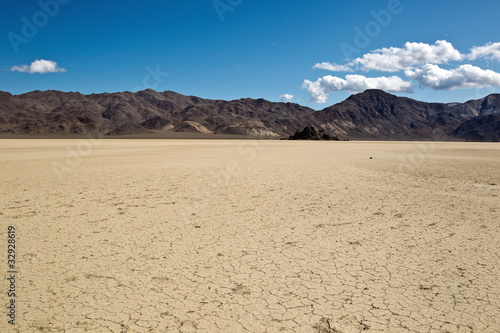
251,236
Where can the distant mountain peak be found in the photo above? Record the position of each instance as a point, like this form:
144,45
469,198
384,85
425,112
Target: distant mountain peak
373,93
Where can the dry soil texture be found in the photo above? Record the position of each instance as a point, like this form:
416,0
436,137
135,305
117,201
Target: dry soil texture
242,236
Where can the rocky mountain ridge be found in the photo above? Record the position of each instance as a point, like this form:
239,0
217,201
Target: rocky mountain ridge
370,115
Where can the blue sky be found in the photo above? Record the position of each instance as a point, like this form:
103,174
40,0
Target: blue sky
230,49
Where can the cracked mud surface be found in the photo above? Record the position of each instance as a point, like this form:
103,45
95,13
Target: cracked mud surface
228,236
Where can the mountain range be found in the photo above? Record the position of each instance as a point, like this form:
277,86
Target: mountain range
370,115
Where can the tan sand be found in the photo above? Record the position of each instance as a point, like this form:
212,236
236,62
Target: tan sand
242,236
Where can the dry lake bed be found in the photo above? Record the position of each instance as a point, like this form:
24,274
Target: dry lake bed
249,236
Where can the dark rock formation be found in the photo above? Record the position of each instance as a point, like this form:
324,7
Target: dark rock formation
312,133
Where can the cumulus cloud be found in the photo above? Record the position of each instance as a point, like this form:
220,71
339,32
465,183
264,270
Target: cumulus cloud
463,77
39,66
333,67
420,62
394,59
321,88
286,97
490,50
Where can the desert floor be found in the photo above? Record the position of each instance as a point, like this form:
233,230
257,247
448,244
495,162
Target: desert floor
251,236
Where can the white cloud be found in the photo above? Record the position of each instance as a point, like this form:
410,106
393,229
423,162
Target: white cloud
39,66
490,50
321,88
333,67
286,97
419,61
463,77
394,59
